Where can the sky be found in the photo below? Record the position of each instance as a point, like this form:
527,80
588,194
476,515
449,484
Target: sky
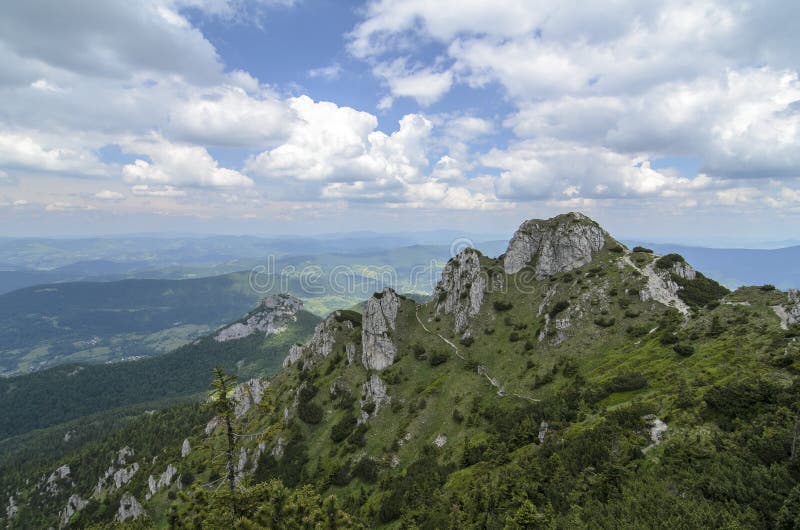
672,120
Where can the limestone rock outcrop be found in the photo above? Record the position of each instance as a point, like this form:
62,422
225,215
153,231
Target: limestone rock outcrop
129,509
321,343
379,321
460,291
74,504
374,397
248,394
793,309
560,244
186,448
271,317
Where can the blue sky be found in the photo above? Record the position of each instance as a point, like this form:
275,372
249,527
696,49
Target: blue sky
673,120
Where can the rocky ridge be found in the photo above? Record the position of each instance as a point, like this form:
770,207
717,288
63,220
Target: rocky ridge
271,317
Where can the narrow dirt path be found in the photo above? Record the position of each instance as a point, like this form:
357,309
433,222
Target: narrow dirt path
481,368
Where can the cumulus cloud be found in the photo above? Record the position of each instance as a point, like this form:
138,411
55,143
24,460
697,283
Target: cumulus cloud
25,150
228,116
340,143
426,85
599,92
536,170
179,164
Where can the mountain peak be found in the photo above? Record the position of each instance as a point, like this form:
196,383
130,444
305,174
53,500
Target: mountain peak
559,244
271,316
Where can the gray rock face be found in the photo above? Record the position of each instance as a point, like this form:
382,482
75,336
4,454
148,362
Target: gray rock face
321,344
684,270
248,394
12,508
119,472
56,478
164,481
379,320
271,317
74,505
793,310
373,391
186,448
556,245
461,289
129,509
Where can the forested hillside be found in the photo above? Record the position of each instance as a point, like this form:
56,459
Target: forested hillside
71,391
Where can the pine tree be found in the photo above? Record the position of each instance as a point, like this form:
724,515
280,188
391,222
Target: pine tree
223,406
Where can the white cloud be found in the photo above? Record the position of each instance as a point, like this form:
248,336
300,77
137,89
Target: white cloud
46,86
425,85
736,196
539,170
145,190
332,143
26,151
181,164
330,73
64,207
228,116
108,195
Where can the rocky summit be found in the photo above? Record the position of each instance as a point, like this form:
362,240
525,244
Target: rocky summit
569,383
555,245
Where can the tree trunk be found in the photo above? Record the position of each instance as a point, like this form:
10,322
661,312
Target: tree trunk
231,468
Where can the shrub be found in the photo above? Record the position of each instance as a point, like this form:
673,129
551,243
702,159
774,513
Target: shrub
488,331
438,358
501,305
617,249
767,288
560,306
513,337
700,291
684,350
666,262
467,341
625,382
458,417
642,249
419,352
309,412
366,469
605,322
637,330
